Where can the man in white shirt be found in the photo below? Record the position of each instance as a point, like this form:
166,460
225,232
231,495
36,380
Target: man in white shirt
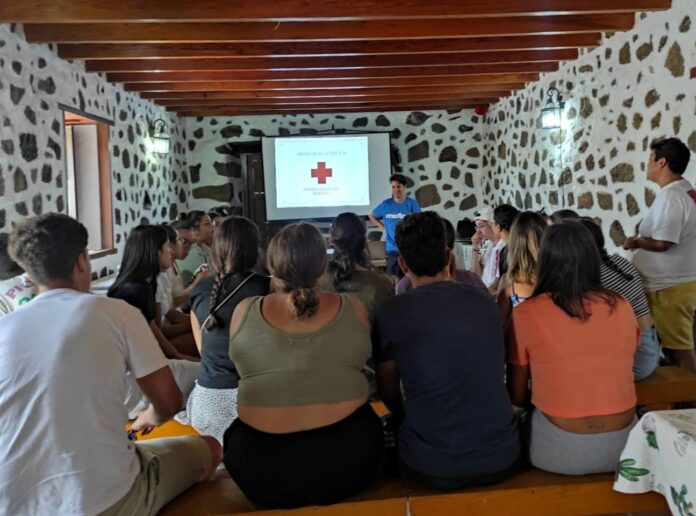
486,265
63,364
666,250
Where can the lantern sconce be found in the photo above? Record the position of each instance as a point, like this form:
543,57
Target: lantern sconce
160,137
552,112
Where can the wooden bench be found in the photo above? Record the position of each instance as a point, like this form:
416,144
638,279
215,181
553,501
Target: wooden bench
536,493
532,492
221,496
665,387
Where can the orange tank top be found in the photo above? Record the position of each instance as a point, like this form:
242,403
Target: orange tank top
578,368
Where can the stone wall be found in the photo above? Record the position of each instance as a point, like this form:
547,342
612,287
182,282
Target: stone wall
620,96
33,81
439,151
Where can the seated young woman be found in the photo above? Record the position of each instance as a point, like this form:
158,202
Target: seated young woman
181,294
175,325
349,268
462,276
212,405
577,340
620,275
146,254
305,434
202,230
517,285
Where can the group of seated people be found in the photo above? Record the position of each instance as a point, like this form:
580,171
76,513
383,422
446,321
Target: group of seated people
280,353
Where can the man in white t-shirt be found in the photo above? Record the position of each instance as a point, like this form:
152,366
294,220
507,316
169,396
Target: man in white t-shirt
64,358
666,250
486,265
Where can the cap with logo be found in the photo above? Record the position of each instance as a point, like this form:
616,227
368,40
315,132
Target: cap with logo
484,214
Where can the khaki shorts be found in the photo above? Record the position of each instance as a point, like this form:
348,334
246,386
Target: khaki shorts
673,310
168,467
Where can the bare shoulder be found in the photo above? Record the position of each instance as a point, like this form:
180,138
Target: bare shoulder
360,310
239,313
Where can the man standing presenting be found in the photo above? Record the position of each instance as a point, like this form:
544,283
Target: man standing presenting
388,214
666,250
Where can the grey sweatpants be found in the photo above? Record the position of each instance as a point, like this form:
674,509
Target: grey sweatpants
555,450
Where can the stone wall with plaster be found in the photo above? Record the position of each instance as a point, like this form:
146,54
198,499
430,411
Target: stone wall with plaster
438,151
633,88
33,82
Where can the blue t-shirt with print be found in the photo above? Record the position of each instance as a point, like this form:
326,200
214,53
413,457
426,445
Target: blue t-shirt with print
390,213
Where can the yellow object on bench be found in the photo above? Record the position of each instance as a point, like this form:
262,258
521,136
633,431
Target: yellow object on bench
665,387
171,428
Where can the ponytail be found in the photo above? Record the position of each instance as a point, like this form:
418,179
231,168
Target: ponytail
606,259
304,302
340,269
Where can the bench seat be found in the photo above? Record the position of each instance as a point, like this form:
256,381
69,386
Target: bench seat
536,493
665,387
222,496
531,492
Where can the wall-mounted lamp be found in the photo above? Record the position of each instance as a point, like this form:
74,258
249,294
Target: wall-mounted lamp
160,137
551,113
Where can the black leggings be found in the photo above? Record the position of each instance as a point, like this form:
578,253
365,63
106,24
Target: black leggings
314,467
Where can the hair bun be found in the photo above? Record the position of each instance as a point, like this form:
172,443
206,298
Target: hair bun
305,302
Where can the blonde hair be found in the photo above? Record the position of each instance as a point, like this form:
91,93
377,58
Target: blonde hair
297,259
523,247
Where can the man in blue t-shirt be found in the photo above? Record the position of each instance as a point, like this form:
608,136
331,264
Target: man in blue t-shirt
389,213
442,343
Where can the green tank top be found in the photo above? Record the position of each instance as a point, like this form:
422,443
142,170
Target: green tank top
280,369
370,287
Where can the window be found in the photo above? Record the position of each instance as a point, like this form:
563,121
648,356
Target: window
89,178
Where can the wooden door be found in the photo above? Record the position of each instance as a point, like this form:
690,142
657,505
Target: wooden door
255,193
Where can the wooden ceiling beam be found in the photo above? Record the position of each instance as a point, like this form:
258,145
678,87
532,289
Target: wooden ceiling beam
93,50
404,106
232,111
81,11
343,62
144,75
336,31
406,99
193,80
206,89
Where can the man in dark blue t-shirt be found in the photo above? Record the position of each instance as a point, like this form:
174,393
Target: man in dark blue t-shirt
389,213
444,342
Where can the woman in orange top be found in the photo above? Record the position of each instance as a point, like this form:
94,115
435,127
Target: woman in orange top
576,340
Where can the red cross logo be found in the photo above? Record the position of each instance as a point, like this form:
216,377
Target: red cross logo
692,194
321,172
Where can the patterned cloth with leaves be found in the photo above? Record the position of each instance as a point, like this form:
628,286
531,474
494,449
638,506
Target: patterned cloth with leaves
660,456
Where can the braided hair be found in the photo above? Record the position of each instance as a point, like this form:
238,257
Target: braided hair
235,250
348,235
599,240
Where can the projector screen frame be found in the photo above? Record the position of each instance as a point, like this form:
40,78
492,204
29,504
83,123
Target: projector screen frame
377,192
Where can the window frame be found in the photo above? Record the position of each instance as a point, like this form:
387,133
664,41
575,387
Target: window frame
105,191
